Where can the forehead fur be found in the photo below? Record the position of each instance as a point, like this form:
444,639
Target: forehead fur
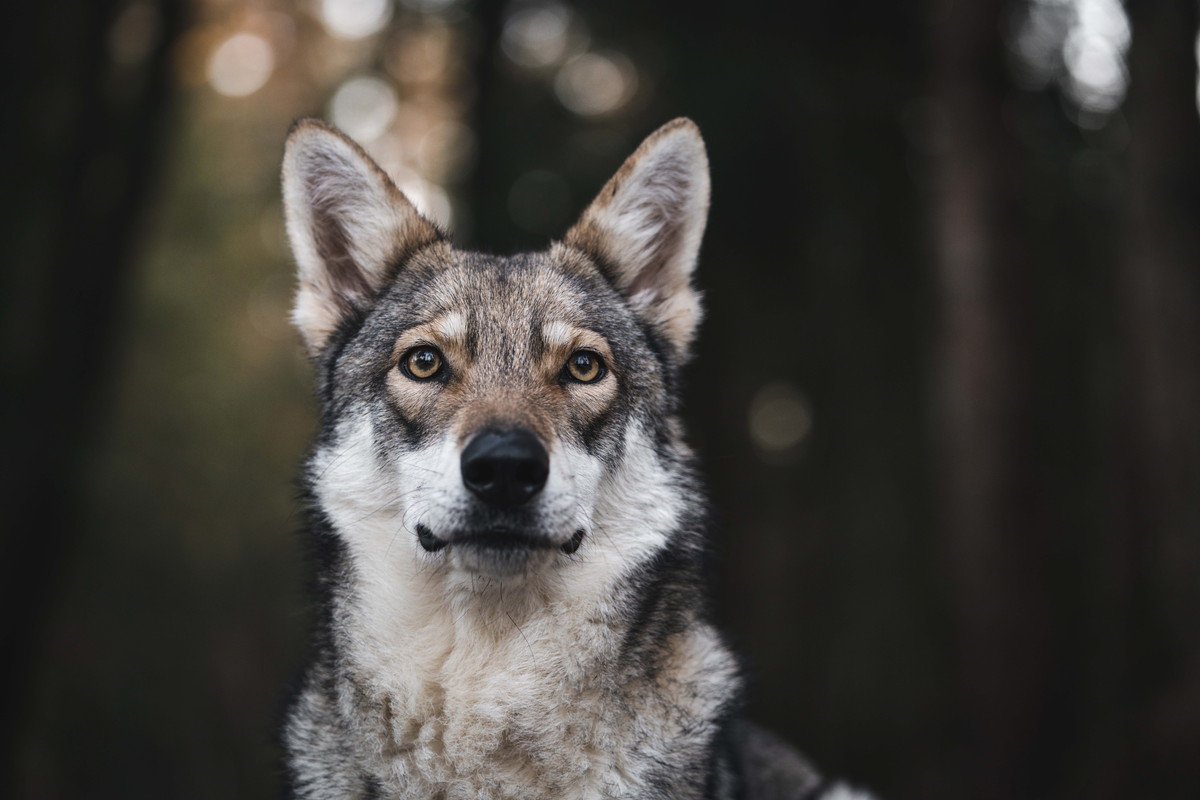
507,305
504,309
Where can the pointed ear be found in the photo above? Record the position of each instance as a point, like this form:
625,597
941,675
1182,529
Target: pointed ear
348,224
645,226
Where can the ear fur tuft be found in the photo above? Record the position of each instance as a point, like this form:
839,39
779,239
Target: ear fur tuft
645,227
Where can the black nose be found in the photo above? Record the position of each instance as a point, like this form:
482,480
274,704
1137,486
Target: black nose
505,468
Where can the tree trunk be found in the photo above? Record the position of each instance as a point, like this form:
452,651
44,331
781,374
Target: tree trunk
1160,283
82,156
995,537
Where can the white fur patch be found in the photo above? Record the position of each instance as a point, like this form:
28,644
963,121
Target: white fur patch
557,334
451,327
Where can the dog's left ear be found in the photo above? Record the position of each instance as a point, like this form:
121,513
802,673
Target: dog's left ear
645,226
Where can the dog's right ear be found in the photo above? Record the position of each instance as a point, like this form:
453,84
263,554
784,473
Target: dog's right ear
348,224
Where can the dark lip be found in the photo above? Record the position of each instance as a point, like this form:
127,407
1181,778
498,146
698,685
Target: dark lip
498,538
502,539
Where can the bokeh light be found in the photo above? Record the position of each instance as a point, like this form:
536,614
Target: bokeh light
355,19
779,419
538,36
241,65
1081,45
1094,53
593,84
363,107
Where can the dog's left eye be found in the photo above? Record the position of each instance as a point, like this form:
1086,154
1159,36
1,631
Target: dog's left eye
422,363
584,366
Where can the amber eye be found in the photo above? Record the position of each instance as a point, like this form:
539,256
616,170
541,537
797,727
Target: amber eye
422,363
584,366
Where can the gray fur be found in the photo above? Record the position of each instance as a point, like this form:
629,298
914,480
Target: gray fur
559,673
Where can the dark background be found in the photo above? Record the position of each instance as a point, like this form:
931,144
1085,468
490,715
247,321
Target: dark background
947,395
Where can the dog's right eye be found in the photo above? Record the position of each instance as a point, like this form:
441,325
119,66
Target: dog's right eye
422,363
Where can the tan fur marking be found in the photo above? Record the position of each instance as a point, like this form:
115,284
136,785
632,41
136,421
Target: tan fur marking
417,397
532,408
475,397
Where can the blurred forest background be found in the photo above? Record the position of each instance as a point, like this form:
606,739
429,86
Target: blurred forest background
953,281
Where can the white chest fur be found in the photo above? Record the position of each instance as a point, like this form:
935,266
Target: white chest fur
511,701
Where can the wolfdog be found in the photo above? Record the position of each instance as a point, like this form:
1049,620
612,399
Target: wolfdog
507,526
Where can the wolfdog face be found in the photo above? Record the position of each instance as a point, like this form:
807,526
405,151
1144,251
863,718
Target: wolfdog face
499,418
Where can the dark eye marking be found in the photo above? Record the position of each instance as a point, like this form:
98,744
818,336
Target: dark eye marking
584,366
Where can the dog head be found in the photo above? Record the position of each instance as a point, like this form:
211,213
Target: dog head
497,416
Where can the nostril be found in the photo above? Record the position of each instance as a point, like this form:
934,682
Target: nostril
531,473
478,472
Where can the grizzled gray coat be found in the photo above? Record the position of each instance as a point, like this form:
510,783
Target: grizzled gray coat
526,622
